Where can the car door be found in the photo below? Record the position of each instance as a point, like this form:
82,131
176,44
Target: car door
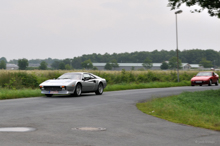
88,83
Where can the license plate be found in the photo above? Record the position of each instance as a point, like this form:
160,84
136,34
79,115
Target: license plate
53,92
198,81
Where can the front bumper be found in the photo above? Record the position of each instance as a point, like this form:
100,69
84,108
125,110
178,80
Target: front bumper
57,92
57,89
199,82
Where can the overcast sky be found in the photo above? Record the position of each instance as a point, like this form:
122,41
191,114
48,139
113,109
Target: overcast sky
38,29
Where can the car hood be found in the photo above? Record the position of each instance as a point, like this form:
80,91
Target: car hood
63,82
201,78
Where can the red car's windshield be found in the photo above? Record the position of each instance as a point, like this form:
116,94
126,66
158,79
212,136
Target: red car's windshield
204,74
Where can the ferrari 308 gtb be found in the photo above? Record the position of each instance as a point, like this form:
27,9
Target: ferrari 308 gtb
74,83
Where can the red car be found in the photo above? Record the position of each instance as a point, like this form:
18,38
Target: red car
205,78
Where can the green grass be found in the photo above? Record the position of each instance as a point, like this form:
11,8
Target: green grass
127,86
199,109
22,93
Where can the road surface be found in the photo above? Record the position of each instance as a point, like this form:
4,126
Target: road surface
111,119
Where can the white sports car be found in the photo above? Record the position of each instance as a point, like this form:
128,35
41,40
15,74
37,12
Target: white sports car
74,83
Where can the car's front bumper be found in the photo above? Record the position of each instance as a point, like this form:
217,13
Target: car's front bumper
57,92
199,82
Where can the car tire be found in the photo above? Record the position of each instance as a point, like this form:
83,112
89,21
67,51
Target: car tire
100,89
49,95
210,83
192,85
200,85
78,90
216,84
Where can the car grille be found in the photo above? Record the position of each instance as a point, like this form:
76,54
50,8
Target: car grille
52,88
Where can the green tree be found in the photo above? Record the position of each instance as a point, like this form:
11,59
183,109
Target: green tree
4,59
164,65
173,63
87,64
206,63
108,66
67,67
147,63
213,6
114,63
2,64
23,64
43,65
62,65
55,64
94,68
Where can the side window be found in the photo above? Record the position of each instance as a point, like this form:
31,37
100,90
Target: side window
92,77
86,76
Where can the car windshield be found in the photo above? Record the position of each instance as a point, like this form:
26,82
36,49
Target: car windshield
204,74
70,76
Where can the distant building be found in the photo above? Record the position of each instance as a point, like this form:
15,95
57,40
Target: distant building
33,64
137,66
11,67
127,66
187,66
37,65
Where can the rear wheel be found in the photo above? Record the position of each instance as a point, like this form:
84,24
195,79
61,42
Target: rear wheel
78,90
210,82
49,95
216,84
100,89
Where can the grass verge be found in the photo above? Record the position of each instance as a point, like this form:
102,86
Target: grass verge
199,109
127,86
22,93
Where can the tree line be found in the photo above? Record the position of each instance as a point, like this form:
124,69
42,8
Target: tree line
207,58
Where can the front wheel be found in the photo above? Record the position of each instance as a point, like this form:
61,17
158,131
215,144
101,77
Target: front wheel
99,90
210,82
78,90
216,84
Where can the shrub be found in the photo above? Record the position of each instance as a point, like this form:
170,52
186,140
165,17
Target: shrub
31,79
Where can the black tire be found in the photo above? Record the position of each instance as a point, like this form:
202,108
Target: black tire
200,85
216,84
210,83
49,95
192,85
78,90
100,89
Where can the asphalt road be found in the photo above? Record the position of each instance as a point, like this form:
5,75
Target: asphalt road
62,121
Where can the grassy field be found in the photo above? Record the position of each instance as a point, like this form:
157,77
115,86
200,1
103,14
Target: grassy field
23,93
31,79
199,109
17,83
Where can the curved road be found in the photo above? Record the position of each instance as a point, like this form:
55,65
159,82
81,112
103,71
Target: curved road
56,117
